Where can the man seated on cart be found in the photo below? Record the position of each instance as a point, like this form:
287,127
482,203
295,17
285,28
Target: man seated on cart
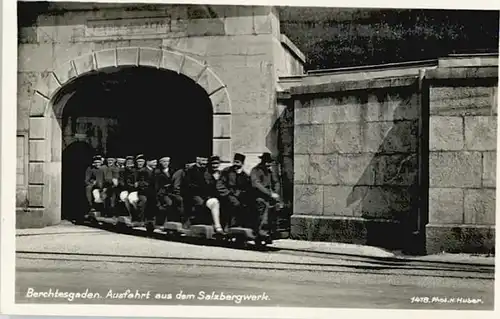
146,191
169,202
234,187
94,180
109,192
266,189
128,187
200,189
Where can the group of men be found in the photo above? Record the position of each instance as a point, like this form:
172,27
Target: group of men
198,193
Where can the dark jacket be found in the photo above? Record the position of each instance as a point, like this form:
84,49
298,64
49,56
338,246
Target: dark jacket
127,179
93,174
164,183
199,182
264,182
110,173
178,182
234,183
146,181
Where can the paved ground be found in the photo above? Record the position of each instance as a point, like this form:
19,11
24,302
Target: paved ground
76,259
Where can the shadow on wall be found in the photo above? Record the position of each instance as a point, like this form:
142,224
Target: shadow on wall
386,193
279,141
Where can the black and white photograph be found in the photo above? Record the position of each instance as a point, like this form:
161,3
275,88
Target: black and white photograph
251,155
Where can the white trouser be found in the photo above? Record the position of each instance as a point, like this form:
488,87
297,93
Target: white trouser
97,196
214,206
133,198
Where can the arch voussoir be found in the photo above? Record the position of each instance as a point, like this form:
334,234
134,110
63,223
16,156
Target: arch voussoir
38,105
221,102
192,68
171,61
65,72
150,57
106,58
83,64
48,84
127,56
210,82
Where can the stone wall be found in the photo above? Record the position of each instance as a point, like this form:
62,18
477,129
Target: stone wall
463,106
355,161
237,43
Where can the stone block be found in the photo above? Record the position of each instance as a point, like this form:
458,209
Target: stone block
47,84
342,138
65,72
106,58
141,43
309,139
460,101
222,148
172,61
38,105
205,27
192,68
37,151
302,113
86,63
251,86
65,52
446,133
150,57
286,140
263,24
489,169
382,202
56,141
387,137
27,35
341,201
35,57
210,82
479,206
308,199
359,231
36,195
253,133
324,169
356,169
481,133
470,239
127,56
397,169
446,206
392,106
239,25
216,49
37,128
32,218
222,125
36,173
455,169
335,113
301,167
221,102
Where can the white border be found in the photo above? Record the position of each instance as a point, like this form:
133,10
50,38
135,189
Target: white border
8,176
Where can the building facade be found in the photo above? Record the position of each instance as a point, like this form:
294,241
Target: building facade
354,147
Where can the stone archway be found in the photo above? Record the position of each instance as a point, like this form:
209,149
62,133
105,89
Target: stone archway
45,145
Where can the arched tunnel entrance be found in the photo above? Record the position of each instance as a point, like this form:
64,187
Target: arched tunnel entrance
128,111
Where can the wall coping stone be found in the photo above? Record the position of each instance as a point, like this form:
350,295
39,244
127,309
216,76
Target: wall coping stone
287,43
343,86
462,73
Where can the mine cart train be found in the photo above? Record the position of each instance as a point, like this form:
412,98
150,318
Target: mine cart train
197,200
